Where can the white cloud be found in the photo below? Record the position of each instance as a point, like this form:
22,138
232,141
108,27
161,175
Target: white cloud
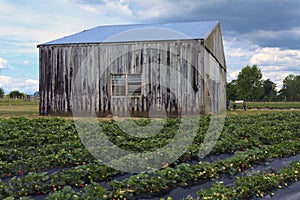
3,63
275,63
49,21
270,56
90,8
275,76
25,62
32,82
232,75
157,9
238,52
108,8
27,86
4,80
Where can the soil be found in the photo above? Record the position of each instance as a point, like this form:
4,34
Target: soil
292,192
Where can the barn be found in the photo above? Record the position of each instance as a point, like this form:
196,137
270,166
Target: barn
170,69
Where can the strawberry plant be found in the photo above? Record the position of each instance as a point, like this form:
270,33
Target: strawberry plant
52,145
258,184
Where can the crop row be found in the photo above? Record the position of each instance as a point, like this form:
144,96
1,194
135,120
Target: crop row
234,137
184,174
43,183
63,158
60,146
259,184
69,153
17,132
142,183
30,134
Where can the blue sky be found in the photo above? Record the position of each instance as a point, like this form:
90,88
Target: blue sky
262,32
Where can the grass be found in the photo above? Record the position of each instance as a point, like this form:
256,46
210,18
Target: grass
273,105
18,108
30,109
269,105
17,102
256,111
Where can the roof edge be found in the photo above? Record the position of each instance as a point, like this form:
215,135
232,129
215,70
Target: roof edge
88,36
111,43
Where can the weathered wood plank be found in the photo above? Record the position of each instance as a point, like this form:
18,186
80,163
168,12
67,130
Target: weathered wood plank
90,66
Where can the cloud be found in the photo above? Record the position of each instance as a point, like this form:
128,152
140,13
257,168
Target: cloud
238,53
145,10
276,76
287,38
25,62
265,33
32,82
232,75
271,34
3,63
270,56
267,23
275,63
48,21
4,80
109,8
28,86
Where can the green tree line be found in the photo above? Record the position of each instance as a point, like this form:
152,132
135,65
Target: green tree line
13,94
250,86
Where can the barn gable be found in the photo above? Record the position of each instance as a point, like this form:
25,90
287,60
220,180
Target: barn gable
214,44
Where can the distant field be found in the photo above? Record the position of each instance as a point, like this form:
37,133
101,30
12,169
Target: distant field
17,102
270,105
30,109
17,108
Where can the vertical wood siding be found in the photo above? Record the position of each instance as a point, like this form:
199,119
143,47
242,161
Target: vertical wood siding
174,75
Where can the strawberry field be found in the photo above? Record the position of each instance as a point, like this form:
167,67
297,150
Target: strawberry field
255,156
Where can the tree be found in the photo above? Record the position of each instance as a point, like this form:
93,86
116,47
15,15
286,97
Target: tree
17,94
249,83
1,93
270,93
291,88
232,90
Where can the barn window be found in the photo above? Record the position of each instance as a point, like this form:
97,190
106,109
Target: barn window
134,84
118,84
126,84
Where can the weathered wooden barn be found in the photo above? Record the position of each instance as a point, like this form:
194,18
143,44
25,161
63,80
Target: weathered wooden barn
141,70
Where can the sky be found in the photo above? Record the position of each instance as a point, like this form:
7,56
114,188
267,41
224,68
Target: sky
257,32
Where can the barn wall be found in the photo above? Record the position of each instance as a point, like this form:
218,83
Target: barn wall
77,77
215,83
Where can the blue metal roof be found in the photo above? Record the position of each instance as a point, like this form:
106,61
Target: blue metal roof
140,32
